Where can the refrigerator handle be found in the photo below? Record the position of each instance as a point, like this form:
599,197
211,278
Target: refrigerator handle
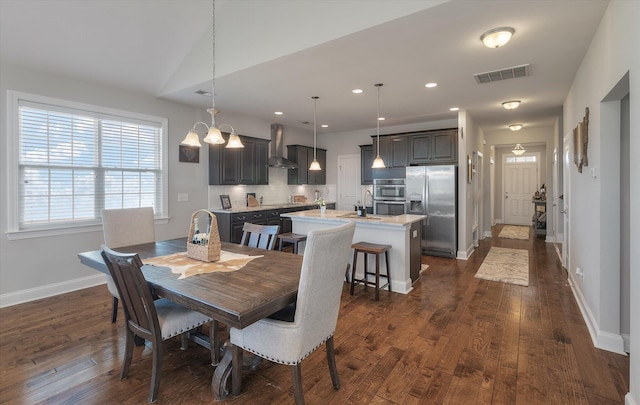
426,198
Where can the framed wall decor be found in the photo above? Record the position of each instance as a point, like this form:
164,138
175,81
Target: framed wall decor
225,201
188,154
581,142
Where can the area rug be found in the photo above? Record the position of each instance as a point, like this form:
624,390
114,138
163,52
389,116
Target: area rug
505,265
514,232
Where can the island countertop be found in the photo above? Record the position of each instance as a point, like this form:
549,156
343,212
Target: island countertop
351,216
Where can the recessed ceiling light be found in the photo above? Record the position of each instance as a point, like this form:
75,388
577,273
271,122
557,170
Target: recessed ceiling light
497,37
357,91
380,118
431,85
511,104
325,125
515,127
454,108
278,113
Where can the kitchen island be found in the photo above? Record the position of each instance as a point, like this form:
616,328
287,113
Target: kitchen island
402,232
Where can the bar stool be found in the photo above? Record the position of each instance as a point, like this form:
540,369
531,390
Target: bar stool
373,249
291,237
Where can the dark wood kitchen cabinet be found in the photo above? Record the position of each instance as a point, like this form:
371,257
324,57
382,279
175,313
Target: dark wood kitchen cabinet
367,154
246,165
303,156
393,149
438,146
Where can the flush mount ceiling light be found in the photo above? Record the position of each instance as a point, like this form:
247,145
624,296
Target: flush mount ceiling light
357,91
454,109
518,150
431,85
511,104
214,136
515,127
497,37
278,113
378,163
314,165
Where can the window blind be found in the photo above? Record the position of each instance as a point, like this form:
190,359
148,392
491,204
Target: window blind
74,163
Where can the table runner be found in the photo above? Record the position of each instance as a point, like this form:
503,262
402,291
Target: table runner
180,263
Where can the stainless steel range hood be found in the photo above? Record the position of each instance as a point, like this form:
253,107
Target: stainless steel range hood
277,158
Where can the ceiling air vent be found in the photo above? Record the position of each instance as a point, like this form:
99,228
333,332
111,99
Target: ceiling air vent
203,93
503,74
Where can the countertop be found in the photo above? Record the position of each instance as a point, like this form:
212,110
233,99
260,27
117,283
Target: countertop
266,207
351,216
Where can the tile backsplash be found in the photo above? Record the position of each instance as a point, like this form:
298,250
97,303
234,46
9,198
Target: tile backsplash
275,193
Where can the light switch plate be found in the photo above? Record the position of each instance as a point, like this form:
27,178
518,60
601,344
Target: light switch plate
182,197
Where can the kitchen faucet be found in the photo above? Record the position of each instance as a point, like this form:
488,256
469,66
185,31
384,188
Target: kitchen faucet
364,197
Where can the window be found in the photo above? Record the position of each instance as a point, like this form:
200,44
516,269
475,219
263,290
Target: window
74,160
521,159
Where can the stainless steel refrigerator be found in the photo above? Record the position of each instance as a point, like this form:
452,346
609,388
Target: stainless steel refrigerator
432,191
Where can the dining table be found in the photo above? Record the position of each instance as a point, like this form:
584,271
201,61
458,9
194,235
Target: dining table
237,298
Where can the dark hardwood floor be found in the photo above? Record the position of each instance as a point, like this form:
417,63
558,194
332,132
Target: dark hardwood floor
454,339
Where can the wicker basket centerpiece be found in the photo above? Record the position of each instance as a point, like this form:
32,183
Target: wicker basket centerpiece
204,246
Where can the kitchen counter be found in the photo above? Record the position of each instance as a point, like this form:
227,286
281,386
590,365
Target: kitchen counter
402,232
265,207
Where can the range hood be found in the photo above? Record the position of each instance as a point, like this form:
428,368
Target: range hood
277,158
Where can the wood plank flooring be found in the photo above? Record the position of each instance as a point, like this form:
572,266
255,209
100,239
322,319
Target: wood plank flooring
454,339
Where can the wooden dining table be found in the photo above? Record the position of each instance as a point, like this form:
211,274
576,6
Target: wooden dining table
237,298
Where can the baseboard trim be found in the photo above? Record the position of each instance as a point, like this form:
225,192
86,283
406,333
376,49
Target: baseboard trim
464,255
49,290
487,234
626,339
628,399
601,340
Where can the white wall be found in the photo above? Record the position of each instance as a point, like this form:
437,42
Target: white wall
612,53
31,268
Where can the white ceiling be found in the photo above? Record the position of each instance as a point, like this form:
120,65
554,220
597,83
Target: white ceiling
274,55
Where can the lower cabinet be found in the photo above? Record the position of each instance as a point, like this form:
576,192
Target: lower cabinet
230,224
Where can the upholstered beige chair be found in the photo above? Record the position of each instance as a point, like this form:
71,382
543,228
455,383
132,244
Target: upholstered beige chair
326,255
259,236
154,321
126,227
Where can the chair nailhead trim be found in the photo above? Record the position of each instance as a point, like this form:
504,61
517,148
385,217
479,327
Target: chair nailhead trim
264,356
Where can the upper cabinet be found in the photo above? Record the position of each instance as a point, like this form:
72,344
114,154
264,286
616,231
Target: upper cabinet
246,165
393,150
438,146
366,160
303,156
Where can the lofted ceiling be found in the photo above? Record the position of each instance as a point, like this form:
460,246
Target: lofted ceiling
274,55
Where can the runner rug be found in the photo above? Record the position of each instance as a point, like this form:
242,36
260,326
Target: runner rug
514,232
505,265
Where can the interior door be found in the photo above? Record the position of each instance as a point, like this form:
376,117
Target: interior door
349,188
566,196
519,187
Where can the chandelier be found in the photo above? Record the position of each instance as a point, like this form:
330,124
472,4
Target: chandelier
214,135
518,150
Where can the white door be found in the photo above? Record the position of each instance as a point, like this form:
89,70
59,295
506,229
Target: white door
519,188
348,182
566,193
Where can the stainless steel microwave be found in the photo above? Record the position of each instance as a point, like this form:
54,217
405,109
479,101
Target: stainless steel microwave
389,189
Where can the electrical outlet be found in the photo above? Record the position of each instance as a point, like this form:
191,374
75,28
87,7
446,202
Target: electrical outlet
579,272
182,197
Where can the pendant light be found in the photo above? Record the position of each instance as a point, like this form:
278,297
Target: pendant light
214,136
378,163
518,150
314,165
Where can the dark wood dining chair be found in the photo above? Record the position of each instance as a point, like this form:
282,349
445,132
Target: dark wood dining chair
289,341
259,236
151,320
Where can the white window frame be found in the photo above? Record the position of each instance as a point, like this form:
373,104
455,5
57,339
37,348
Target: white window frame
12,163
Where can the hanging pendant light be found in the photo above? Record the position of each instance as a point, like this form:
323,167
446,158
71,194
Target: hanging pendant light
378,163
314,165
214,135
518,150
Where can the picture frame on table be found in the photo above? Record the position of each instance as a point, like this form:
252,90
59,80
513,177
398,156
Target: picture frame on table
225,201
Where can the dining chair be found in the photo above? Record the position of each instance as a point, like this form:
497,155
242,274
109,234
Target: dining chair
290,341
154,321
126,227
259,236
